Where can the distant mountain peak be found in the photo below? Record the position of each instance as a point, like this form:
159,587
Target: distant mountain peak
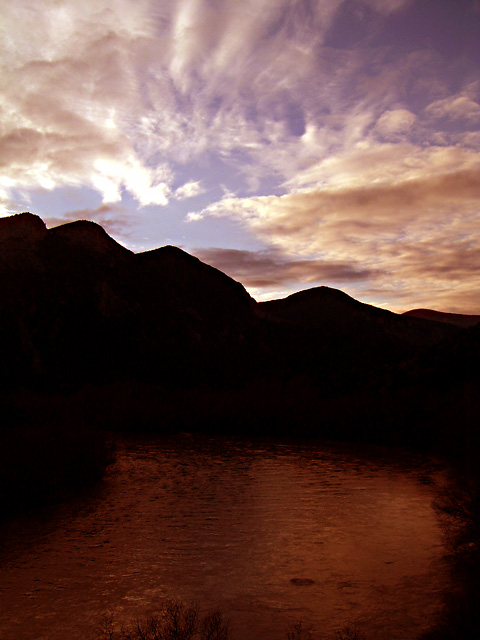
322,292
88,234
169,250
24,226
193,277
457,319
314,303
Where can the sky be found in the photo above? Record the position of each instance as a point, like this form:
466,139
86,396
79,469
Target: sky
289,143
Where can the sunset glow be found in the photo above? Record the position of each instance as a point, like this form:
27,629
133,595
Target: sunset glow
291,144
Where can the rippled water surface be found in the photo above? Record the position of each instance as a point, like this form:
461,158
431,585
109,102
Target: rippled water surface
268,533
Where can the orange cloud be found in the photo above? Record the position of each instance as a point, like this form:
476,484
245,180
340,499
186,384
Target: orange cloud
113,218
416,235
270,268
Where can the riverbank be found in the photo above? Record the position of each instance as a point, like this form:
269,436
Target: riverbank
41,464
459,509
180,622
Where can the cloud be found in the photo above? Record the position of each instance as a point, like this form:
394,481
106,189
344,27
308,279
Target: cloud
387,6
69,91
349,155
113,94
113,218
438,270
339,220
394,124
271,268
373,181
455,108
415,232
188,190
61,125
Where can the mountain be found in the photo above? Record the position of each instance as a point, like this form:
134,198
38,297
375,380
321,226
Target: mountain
457,319
346,344
159,340
337,314
77,307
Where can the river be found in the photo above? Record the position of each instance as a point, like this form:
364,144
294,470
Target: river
267,532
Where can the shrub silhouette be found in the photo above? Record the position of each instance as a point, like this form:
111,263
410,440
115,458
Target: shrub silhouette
178,621
175,622
297,631
43,465
350,632
459,507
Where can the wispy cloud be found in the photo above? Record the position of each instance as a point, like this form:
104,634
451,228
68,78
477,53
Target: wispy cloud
418,232
111,94
348,131
457,108
113,218
189,190
271,268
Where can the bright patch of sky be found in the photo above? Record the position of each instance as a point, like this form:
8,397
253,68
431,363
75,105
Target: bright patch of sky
291,144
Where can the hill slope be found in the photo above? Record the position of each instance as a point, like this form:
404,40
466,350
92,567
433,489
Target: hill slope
457,319
160,338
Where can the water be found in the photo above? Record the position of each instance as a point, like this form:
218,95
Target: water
268,533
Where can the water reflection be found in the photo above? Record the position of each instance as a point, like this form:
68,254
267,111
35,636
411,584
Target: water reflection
267,532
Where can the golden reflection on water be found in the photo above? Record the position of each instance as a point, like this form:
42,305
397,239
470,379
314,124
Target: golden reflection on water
268,533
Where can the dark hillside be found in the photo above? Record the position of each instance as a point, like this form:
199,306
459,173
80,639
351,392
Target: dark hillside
458,319
359,342
337,314
161,340
79,308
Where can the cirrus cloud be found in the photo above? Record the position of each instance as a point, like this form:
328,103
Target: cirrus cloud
109,95
418,231
271,268
455,108
347,128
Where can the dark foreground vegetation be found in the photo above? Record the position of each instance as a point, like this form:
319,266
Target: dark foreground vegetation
177,621
43,464
459,508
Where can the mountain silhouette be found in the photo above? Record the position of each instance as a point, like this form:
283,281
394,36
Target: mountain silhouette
336,313
458,319
161,338
77,307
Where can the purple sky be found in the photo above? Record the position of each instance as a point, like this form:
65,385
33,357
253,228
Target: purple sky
290,143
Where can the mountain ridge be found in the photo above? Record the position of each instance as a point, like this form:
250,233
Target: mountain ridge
163,340
28,227
459,319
